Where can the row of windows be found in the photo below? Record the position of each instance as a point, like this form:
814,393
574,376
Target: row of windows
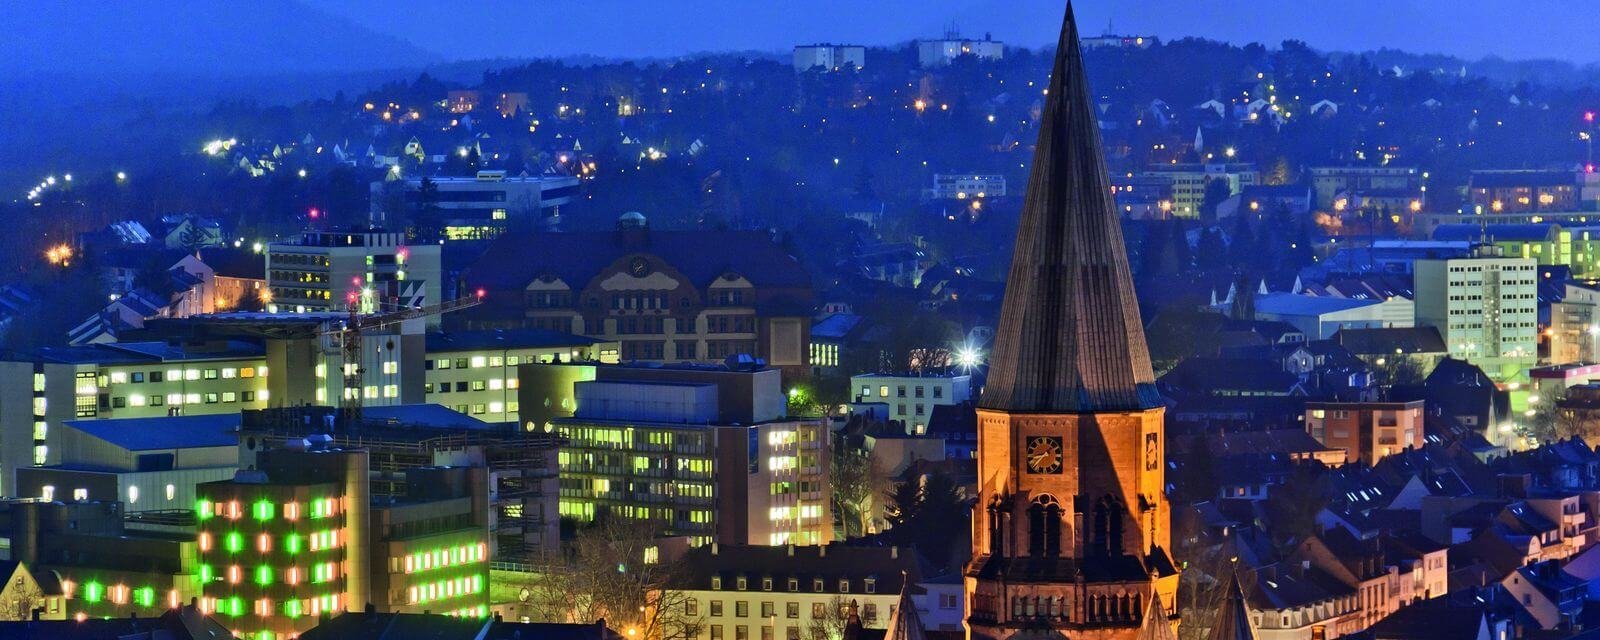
791,610
463,386
175,375
225,397
818,585
900,391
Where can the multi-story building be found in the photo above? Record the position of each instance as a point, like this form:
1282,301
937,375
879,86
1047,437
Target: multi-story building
829,57
54,385
1574,331
910,399
1485,307
1330,182
300,537
365,269
666,296
1577,248
786,591
1187,182
1501,191
150,464
961,186
1366,431
482,206
521,466
475,372
90,565
699,451
941,52
1143,197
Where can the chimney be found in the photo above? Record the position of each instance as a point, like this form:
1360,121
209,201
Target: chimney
822,551
715,548
894,552
790,549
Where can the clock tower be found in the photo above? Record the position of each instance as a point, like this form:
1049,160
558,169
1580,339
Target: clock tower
1070,531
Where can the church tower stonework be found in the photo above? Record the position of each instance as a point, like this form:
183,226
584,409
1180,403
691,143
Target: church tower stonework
1070,530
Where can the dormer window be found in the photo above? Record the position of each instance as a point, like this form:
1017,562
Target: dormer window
716,583
844,586
871,585
742,584
816,585
766,584
794,584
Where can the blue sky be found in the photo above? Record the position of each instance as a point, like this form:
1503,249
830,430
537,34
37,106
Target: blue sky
1565,29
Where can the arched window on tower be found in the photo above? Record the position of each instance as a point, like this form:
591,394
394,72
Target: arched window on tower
1044,526
997,528
1108,521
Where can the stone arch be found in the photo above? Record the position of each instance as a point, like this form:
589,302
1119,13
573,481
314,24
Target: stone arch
1044,526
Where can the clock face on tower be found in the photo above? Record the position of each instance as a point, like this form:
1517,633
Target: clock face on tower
1044,454
639,267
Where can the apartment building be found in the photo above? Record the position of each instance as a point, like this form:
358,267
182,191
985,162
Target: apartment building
1485,306
910,399
700,451
1366,431
362,269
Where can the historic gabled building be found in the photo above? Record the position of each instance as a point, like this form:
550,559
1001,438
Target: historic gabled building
665,296
1070,531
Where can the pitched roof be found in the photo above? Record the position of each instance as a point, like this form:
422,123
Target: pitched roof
905,624
1069,338
1233,620
1387,340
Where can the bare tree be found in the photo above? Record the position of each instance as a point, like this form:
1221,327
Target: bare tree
831,624
20,601
856,483
613,571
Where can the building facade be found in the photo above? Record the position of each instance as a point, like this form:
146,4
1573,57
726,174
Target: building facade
829,57
665,296
911,398
700,451
1486,309
1187,182
483,206
1366,431
939,53
366,270
1070,528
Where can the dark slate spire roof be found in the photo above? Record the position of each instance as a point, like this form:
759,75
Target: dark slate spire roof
1069,340
1233,621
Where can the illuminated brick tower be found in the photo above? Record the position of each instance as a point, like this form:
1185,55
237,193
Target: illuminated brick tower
1070,531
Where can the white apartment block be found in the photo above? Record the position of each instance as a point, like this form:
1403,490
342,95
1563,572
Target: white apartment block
911,398
1486,309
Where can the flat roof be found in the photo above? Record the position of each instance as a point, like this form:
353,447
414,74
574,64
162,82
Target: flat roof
1296,304
164,432
504,339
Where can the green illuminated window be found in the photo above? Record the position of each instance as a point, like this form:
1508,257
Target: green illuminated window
264,510
234,542
93,591
292,608
291,543
264,575
145,596
235,606
206,574
202,510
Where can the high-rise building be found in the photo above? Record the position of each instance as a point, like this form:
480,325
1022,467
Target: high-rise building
687,450
1485,306
1071,525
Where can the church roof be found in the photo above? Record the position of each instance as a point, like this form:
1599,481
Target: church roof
1069,338
905,624
1157,624
1233,621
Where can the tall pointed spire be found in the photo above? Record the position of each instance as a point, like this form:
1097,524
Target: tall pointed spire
905,624
1069,339
1157,625
1233,620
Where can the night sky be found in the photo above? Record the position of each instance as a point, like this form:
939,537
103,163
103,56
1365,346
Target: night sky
1471,28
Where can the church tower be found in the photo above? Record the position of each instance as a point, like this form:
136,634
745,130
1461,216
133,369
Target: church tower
1070,531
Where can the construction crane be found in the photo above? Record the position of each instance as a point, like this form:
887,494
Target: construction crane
350,336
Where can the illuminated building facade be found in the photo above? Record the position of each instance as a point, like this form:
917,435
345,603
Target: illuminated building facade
521,480
697,451
300,537
1493,192
911,398
338,270
475,372
665,296
829,57
1070,529
125,380
1187,182
1485,306
486,205
88,564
